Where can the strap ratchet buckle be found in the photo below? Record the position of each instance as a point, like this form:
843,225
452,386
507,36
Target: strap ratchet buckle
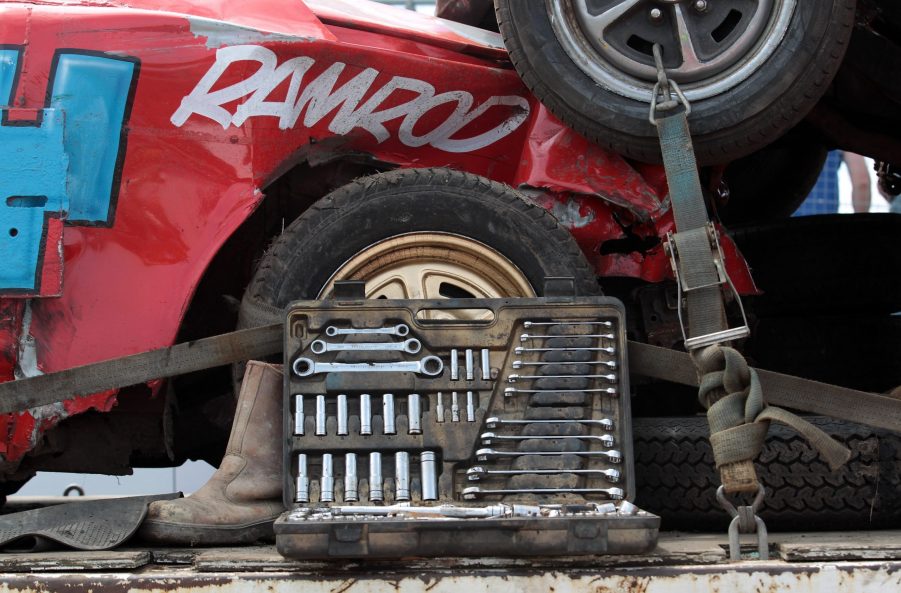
723,281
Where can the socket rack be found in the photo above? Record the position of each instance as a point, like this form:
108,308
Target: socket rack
458,427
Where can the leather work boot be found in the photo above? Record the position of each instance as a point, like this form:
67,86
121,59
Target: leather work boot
243,498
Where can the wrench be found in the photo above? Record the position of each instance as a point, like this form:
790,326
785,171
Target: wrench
511,391
489,438
494,422
486,454
401,329
527,337
520,350
514,378
474,474
411,346
529,324
430,366
518,364
474,492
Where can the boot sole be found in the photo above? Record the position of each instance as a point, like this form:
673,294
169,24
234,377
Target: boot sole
206,535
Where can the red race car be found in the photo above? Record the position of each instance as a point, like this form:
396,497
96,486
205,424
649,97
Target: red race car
174,165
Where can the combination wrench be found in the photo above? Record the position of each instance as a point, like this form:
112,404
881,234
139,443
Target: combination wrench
529,324
527,337
487,454
490,438
514,378
411,346
474,492
430,366
400,329
474,474
518,364
511,391
495,422
520,350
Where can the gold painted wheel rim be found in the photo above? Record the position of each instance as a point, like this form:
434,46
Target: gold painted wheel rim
431,265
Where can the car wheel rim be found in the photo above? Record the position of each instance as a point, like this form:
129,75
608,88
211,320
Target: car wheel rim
431,265
709,46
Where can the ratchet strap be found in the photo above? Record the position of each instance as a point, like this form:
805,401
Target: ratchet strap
188,357
266,340
730,390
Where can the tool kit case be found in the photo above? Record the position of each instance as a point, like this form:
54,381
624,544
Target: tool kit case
458,428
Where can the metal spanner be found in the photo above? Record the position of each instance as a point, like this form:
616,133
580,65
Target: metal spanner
430,366
494,422
474,474
518,364
489,438
400,329
474,492
486,454
411,346
511,391
515,378
521,350
527,337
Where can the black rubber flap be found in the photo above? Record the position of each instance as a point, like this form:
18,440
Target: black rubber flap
89,525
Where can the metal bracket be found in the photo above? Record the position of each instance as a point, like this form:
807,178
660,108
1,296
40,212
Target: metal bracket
666,88
723,281
745,520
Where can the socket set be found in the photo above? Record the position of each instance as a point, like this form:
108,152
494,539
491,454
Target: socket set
458,427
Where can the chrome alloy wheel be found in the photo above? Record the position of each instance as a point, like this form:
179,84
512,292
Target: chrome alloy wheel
433,265
709,46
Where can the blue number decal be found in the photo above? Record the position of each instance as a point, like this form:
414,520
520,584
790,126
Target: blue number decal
66,163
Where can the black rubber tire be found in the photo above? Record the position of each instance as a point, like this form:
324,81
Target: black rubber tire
815,265
852,350
771,183
724,127
351,218
676,478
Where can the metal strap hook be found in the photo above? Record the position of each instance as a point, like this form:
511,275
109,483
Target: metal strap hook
665,88
745,520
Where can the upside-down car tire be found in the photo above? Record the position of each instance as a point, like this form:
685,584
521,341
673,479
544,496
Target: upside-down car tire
421,233
675,477
751,70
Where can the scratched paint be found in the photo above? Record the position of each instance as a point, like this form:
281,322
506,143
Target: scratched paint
320,97
485,575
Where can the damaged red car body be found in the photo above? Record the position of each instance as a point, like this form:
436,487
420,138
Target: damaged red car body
188,117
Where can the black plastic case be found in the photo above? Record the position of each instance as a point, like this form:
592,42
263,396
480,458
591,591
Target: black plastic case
573,492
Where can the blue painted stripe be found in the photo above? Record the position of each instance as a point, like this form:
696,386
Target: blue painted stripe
93,93
9,59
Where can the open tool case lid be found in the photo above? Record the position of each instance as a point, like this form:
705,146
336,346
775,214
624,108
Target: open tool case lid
536,443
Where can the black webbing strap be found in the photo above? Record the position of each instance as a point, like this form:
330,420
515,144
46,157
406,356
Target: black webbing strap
650,361
246,344
782,390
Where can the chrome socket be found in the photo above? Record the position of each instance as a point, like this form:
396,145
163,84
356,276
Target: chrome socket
486,365
365,414
429,475
298,415
402,476
342,414
320,416
302,485
414,414
455,364
388,414
375,477
350,478
327,483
